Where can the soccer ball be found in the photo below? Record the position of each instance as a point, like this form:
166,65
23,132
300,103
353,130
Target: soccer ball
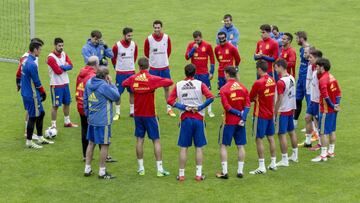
50,133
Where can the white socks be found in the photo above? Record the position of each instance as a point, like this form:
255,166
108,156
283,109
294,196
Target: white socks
262,164
102,171
181,172
87,168
131,109
209,108
224,167
308,138
295,153
159,166
240,167
168,107
66,119
273,161
28,142
198,170
53,123
284,158
323,151
331,148
141,164
117,109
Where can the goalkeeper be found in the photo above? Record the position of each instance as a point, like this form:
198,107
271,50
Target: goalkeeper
96,46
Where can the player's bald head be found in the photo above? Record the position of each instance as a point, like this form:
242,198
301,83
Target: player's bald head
93,61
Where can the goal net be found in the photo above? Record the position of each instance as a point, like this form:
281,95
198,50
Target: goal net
17,22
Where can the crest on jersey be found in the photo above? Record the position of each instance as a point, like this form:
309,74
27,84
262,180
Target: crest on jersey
226,51
220,57
267,46
203,49
196,54
141,77
136,84
232,95
285,55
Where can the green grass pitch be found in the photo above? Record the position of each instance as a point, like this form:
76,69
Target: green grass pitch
55,173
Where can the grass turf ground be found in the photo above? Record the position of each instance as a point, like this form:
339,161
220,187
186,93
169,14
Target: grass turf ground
55,173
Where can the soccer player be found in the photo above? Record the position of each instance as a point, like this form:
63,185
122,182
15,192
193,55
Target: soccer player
284,111
125,55
96,46
288,53
262,94
189,93
200,51
277,35
86,73
33,94
99,95
267,49
59,64
236,103
157,48
232,33
143,85
227,55
312,111
18,78
301,39
330,95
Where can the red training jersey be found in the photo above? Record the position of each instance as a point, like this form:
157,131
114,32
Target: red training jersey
234,95
85,74
289,55
329,87
143,84
201,56
270,48
262,93
226,55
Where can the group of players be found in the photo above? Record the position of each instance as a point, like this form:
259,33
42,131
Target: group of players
276,96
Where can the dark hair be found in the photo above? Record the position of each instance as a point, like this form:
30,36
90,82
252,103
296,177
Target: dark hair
281,62
262,64
102,72
58,40
190,70
274,27
197,34
323,62
34,45
289,35
231,70
265,27
221,33
156,22
316,53
96,33
37,40
301,34
127,30
143,63
227,16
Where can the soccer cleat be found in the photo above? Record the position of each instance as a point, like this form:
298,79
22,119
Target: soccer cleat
141,172
221,175
33,145
199,178
70,125
109,159
319,159
315,148
292,158
211,114
116,117
307,145
106,176
180,178
42,140
282,163
303,130
240,175
330,155
163,173
272,168
301,144
258,171
88,174
171,113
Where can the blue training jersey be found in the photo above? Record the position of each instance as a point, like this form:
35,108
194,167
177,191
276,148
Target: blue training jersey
303,65
30,81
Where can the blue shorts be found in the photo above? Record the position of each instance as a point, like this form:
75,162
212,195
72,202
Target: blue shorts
60,95
221,82
147,124
263,127
99,134
284,124
227,132
33,106
161,73
300,88
327,123
119,79
313,109
204,78
192,130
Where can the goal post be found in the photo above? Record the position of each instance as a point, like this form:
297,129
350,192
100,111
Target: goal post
17,21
